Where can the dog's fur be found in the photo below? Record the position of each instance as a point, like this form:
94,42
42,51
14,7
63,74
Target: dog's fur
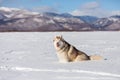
68,53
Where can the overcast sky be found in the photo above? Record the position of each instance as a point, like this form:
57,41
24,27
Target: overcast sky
98,8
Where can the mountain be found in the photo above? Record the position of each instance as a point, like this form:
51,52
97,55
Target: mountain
24,20
13,19
65,15
2,17
111,23
87,19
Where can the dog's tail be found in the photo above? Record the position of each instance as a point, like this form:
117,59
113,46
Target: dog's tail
95,57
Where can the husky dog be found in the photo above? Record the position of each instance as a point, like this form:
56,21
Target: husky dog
68,53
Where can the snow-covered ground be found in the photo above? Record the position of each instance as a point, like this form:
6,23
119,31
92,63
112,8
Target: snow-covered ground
31,56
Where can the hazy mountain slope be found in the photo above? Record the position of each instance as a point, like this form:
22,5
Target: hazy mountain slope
109,23
23,20
13,19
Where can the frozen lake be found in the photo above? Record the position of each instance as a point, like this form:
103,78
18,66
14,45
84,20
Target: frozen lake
31,56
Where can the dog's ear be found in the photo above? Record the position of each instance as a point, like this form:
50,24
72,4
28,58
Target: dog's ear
59,37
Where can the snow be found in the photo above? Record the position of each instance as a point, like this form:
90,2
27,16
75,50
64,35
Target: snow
50,21
35,13
31,56
19,13
113,19
38,20
9,9
29,12
60,19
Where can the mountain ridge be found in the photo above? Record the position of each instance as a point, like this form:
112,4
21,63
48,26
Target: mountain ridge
12,19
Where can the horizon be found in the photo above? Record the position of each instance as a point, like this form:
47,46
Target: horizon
98,8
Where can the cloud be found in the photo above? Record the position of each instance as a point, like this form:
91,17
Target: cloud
117,12
93,9
45,9
90,5
91,12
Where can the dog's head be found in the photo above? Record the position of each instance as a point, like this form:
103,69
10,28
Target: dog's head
58,42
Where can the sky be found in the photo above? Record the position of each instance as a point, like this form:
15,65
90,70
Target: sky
99,8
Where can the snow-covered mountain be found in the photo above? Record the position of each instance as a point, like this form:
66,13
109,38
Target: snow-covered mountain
2,16
109,23
13,19
16,13
24,20
87,19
